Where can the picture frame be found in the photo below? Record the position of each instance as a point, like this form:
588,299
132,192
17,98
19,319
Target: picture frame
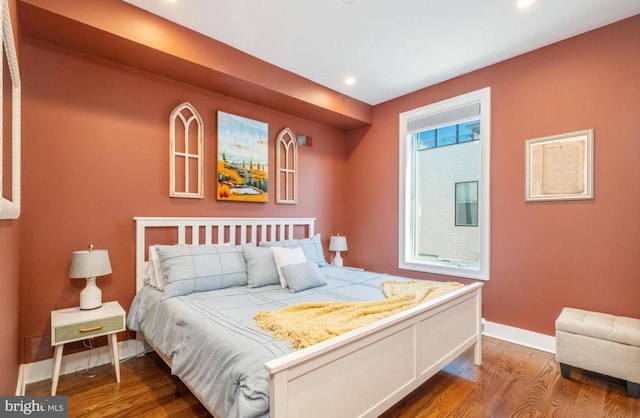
243,159
559,167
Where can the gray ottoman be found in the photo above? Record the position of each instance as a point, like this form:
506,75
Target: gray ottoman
599,342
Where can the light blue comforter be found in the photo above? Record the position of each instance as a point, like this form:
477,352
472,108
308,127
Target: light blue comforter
214,344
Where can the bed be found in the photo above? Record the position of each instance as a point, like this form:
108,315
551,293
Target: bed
360,373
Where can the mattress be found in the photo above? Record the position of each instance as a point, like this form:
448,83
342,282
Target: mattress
214,345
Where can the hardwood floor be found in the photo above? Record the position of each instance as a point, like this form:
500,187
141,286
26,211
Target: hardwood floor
146,389
514,381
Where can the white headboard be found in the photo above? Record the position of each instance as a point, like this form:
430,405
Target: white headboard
237,231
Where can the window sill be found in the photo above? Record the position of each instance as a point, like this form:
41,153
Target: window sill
467,270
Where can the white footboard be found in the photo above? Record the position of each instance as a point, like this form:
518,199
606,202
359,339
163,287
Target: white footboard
366,371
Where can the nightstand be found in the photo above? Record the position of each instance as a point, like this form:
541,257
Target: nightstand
73,324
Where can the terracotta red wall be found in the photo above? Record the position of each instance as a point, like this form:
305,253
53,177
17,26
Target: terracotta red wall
95,146
543,255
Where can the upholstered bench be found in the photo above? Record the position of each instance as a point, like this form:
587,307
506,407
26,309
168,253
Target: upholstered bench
599,342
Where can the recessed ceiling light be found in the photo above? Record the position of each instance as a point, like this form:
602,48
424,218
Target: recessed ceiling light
350,81
522,4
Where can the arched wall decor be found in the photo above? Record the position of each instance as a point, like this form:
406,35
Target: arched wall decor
287,168
9,202
186,154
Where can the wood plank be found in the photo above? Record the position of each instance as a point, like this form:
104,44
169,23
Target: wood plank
512,381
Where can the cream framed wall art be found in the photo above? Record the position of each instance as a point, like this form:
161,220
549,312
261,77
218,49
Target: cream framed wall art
560,167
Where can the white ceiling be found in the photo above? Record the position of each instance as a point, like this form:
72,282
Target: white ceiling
392,47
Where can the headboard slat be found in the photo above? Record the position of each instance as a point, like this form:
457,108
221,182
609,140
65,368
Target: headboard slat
195,234
208,234
181,234
243,234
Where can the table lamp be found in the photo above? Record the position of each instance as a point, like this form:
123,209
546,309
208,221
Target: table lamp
337,243
88,264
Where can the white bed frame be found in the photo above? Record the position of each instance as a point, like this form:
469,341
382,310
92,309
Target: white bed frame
358,374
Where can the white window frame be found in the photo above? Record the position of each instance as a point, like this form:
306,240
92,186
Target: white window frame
407,150
287,167
188,118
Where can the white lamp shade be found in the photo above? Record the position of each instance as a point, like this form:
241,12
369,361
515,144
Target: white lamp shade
87,265
338,243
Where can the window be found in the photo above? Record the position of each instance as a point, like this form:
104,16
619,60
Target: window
444,187
448,135
467,203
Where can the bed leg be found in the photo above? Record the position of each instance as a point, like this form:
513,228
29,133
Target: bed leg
477,349
180,388
477,352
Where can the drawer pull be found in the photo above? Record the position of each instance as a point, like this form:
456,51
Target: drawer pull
97,327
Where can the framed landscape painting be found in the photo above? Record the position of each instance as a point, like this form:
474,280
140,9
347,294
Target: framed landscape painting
243,159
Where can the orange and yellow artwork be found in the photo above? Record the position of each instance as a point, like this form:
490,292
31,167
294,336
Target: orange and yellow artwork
243,159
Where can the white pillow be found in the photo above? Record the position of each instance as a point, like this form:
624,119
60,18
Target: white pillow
285,256
154,269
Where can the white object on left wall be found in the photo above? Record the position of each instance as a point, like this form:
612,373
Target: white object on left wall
186,153
9,202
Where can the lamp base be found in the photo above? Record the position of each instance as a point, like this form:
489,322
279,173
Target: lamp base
337,260
91,296
90,309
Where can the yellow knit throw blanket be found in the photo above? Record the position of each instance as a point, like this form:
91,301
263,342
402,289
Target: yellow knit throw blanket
305,324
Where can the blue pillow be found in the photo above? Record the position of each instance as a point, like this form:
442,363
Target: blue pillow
303,276
199,268
312,247
261,268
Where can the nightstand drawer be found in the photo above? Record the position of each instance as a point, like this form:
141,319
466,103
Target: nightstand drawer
88,329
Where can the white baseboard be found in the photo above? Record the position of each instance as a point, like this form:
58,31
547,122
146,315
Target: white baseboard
520,336
43,370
